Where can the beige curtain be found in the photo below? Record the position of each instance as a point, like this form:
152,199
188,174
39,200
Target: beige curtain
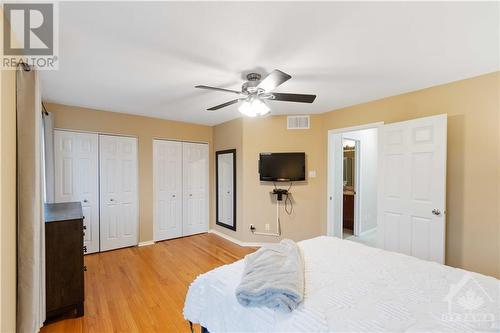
30,228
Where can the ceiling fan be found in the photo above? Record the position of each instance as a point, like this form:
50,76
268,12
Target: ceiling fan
255,92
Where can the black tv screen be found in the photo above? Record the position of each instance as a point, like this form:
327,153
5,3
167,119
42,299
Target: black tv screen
282,167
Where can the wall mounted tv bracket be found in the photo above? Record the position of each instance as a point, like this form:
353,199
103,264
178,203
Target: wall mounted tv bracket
280,193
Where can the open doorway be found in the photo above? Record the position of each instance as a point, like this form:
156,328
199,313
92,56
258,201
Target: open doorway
350,182
353,167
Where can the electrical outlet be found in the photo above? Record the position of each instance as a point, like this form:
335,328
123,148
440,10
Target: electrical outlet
268,227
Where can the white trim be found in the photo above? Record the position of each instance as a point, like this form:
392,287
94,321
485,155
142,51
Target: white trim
355,128
330,198
237,241
96,132
369,231
357,170
146,243
180,140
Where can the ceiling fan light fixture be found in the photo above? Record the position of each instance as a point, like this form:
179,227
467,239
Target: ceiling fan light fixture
253,107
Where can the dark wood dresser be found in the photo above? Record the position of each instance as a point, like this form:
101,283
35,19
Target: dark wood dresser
64,268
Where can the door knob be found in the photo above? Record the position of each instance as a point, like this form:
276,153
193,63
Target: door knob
173,195
85,201
111,199
190,195
436,212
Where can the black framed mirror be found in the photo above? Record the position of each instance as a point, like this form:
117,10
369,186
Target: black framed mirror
225,187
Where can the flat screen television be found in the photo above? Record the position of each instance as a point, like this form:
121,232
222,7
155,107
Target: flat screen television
282,167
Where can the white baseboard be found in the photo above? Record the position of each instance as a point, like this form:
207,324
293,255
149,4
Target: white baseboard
237,241
369,231
146,243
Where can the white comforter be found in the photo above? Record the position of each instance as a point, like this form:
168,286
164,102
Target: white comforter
351,287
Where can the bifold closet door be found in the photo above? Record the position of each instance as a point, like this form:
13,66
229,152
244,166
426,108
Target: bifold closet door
195,188
167,174
118,191
76,178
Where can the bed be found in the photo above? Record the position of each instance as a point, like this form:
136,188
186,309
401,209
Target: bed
350,287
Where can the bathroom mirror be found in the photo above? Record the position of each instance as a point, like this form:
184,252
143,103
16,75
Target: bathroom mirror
349,164
225,165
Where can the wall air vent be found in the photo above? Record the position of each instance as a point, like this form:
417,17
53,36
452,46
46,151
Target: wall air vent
298,122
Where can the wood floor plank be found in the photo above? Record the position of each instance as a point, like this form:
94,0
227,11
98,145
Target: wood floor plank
142,289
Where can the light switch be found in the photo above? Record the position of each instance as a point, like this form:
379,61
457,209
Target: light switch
312,174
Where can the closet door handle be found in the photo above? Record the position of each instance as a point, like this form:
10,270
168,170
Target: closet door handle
85,201
173,195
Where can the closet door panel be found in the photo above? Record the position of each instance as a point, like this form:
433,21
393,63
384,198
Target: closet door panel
77,178
119,192
167,171
195,184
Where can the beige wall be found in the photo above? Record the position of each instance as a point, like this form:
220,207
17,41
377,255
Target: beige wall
145,129
271,135
229,136
472,106
8,201
253,136
473,180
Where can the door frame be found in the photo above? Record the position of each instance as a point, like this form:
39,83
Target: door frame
335,218
357,147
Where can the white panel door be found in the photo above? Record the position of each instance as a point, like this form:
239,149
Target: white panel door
167,173
336,196
195,188
412,187
119,191
77,178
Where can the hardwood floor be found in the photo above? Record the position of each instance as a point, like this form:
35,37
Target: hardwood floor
142,289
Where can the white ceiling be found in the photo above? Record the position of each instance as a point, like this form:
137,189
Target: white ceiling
145,58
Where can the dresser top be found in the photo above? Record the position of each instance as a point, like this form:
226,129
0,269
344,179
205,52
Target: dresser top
63,211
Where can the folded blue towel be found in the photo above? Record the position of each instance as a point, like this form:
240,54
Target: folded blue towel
273,277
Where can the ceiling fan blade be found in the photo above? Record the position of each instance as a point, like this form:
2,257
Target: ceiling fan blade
219,89
220,106
274,79
300,98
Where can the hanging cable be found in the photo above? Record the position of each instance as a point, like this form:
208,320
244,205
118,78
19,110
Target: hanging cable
288,199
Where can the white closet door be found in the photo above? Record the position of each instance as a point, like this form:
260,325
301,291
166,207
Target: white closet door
195,188
77,178
167,170
412,190
119,191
